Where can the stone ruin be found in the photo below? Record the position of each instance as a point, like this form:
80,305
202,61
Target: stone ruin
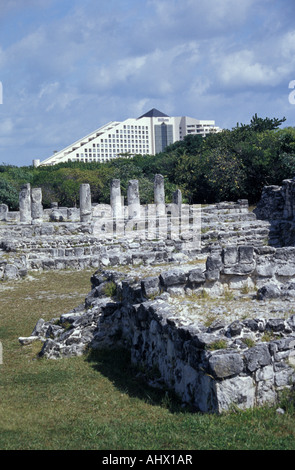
277,205
202,294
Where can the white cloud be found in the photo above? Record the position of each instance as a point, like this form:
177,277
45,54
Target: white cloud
48,89
242,69
6,127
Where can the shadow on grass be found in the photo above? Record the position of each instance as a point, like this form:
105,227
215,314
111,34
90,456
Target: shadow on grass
116,365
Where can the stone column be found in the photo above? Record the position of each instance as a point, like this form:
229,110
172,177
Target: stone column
3,211
159,193
177,198
133,199
117,207
85,203
135,225
36,205
116,199
159,198
25,204
174,215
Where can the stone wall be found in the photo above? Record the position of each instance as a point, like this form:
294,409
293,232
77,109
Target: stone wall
211,368
277,205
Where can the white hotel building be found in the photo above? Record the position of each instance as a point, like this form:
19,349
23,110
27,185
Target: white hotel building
147,135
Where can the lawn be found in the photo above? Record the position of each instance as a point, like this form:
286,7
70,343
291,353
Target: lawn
98,401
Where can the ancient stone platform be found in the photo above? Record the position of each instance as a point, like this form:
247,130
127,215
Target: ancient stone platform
197,292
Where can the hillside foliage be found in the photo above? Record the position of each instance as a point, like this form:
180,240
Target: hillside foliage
234,164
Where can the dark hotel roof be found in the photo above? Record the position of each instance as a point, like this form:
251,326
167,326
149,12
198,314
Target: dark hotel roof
153,113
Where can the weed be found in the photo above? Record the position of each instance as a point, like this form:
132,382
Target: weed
110,289
249,342
245,289
218,344
267,336
228,295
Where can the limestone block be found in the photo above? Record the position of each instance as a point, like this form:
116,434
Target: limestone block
150,286
230,255
27,340
268,291
235,328
239,269
286,270
225,364
246,254
266,269
212,275
73,214
173,277
56,216
196,276
284,374
277,324
238,391
206,340
213,262
258,356
10,272
265,373
265,392
291,322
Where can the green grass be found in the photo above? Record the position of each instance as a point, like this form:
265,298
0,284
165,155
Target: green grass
98,401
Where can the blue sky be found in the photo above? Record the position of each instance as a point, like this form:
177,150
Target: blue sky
69,66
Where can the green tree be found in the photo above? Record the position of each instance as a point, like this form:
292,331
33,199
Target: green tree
8,194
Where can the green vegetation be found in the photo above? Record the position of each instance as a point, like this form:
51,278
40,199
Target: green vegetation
219,344
110,289
230,165
99,401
